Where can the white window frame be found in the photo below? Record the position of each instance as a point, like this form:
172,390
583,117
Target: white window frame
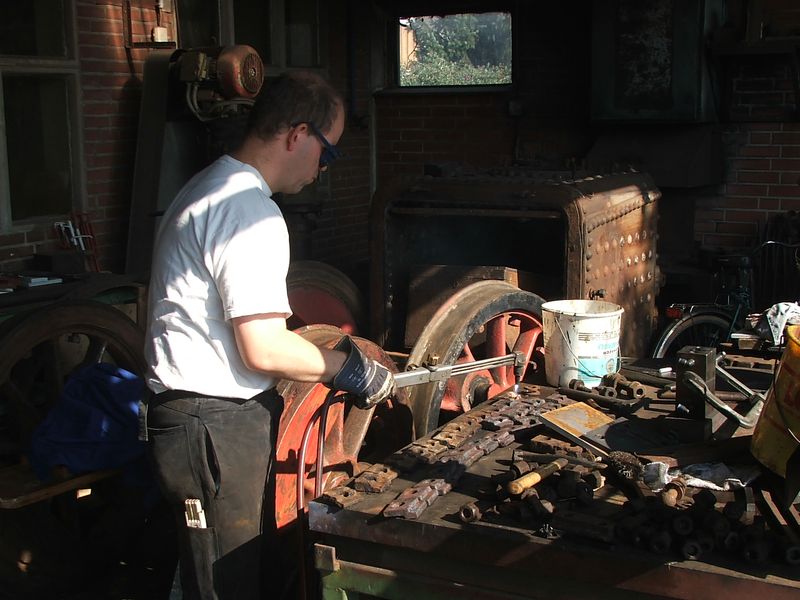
69,69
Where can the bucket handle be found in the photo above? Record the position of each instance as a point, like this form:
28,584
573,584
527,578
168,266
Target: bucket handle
581,367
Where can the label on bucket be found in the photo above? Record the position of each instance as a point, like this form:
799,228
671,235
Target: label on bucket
581,346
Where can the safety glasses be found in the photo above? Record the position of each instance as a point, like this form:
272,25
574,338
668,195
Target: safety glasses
329,151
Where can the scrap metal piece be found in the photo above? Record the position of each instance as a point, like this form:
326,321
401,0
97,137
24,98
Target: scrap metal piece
407,509
376,479
342,496
582,524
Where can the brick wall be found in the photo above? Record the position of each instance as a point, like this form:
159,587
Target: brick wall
476,130
762,141
110,81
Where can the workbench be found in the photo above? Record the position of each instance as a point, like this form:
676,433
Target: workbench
433,554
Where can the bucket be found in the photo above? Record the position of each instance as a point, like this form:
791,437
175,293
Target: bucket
581,340
773,442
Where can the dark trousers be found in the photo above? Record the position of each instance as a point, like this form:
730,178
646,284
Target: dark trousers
221,452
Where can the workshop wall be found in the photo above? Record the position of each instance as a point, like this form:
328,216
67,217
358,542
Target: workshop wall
440,130
762,154
449,131
110,82
111,79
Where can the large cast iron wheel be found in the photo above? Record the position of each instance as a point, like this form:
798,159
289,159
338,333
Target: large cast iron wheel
68,543
42,347
352,435
321,294
482,320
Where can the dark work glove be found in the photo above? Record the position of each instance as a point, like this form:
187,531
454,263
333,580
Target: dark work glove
368,380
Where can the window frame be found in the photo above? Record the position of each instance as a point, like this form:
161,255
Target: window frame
68,69
277,62
446,9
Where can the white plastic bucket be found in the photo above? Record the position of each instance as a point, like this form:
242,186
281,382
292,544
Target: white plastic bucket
581,340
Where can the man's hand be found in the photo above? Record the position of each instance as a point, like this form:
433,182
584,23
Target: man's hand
367,379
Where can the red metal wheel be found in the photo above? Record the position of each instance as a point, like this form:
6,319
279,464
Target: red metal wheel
321,294
352,435
482,320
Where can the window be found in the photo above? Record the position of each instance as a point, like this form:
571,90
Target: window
455,50
286,33
39,148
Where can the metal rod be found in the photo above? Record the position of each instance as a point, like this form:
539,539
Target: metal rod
747,421
438,373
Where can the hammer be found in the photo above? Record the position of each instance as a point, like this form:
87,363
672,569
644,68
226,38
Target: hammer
528,480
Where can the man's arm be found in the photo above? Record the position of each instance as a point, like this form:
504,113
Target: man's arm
266,345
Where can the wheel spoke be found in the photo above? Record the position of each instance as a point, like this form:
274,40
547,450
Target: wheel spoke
95,351
496,346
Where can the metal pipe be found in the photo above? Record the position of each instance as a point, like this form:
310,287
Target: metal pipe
751,395
748,421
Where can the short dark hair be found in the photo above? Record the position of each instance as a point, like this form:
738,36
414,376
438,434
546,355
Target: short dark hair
293,97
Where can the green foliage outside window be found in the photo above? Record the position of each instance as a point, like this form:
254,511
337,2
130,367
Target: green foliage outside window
465,49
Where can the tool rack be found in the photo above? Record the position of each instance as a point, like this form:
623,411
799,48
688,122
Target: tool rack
427,551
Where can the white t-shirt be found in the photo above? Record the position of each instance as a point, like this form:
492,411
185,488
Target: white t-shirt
222,251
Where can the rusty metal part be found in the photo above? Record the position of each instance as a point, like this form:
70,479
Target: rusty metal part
629,389
778,519
674,494
546,444
342,496
606,391
584,525
682,524
574,460
413,501
605,226
376,478
347,432
474,511
691,549
484,320
660,542
605,401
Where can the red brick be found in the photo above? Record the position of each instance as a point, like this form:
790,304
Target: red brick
786,164
790,203
790,178
769,204
751,164
767,151
786,138
757,177
746,190
758,137
744,215
790,151
740,228
782,191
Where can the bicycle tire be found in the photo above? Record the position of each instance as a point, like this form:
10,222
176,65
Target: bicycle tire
704,329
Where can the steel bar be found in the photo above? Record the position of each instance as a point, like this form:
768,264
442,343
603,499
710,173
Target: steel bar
440,373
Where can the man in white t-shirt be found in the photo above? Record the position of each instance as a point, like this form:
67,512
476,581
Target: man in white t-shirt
217,341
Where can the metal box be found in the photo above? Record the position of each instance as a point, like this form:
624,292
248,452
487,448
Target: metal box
589,237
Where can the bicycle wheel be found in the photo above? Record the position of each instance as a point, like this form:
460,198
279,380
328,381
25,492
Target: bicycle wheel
702,329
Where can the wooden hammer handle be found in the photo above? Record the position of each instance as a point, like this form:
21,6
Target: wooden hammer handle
529,480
